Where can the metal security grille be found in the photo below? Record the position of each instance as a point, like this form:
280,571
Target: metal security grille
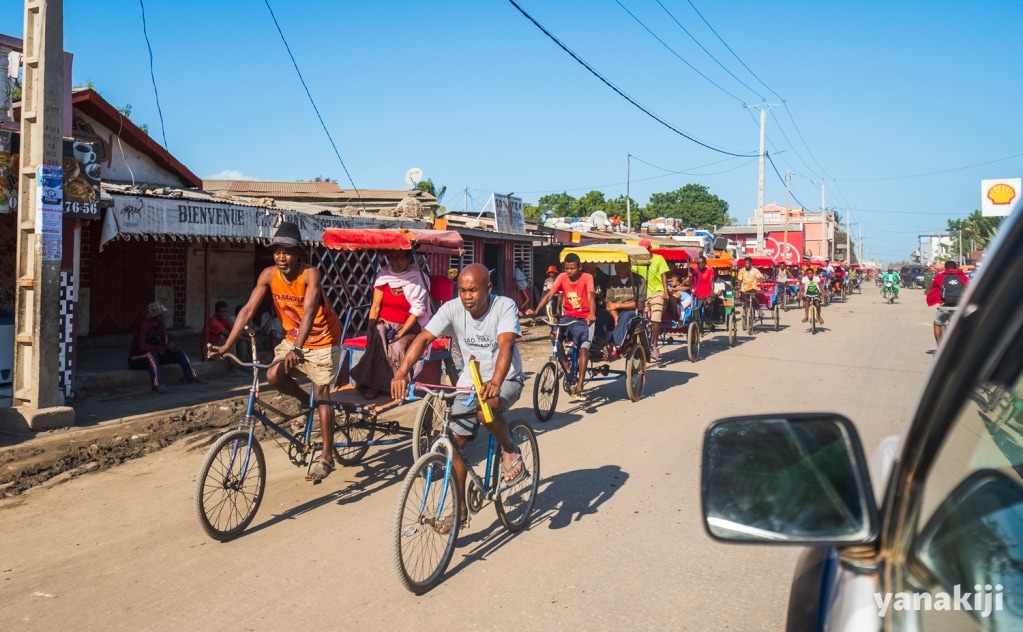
348,281
524,252
467,255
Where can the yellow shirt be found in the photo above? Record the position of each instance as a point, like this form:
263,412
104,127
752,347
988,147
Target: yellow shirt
749,279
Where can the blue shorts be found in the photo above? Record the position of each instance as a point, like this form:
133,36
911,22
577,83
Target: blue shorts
579,332
464,421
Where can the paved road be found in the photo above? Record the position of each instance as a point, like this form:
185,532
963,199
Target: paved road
617,541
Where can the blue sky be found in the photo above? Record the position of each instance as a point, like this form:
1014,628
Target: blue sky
892,105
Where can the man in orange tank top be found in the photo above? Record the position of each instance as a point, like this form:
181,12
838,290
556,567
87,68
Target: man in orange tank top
312,334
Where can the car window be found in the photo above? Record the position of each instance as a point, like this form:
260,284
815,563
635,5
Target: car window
970,528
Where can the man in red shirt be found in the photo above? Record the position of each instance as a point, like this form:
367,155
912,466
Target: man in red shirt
703,287
579,301
946,291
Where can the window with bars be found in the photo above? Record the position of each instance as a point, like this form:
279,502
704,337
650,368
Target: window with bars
460,262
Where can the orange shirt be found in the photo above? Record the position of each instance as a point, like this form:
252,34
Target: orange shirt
289,301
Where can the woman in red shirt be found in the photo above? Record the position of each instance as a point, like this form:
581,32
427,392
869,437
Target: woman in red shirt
401,307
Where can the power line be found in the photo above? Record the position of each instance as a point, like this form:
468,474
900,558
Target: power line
777,173
152,75
618,90
933,173
308,94
673,52
675,20
720,39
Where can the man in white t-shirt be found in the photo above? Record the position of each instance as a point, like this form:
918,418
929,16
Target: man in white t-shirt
486,327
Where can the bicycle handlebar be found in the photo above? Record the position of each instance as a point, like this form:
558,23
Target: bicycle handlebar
572,322
237,360
439,390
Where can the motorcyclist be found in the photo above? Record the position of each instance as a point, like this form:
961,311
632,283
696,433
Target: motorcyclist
891,276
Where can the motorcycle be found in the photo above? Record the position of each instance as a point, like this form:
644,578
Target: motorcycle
888,292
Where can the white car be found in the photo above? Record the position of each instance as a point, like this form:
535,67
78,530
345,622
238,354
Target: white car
931,536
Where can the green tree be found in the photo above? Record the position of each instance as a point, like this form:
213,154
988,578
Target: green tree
556,205
589,204
428,186
617,207
693,204
975,230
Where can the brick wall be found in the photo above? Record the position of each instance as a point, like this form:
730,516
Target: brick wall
171,273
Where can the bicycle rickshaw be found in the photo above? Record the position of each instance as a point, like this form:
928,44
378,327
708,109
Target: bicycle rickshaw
767,298
686,323
229,488
635,348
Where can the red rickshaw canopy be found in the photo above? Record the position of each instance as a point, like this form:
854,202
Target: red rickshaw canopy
351,239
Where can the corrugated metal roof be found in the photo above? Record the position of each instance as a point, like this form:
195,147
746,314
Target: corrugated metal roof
317,190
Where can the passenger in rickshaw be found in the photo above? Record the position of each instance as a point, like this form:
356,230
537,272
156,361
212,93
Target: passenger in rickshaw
750,282
715,308
837,280
679,295
703,289
578,300
624,292
400,308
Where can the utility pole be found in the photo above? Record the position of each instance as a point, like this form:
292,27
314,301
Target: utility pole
785,239
848,230
824,207
760,189
37,273
628,205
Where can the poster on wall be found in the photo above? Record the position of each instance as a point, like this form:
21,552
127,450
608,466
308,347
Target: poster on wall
9,172
81,180
49,216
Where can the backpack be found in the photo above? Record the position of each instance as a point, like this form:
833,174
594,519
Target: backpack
952,288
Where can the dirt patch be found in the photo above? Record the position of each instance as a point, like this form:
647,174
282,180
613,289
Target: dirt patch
71,453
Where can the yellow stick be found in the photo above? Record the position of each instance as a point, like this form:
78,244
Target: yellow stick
477,383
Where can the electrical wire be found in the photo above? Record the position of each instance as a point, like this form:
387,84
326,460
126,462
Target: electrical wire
619,91
308,94
680,58
933,173
152,75
697,42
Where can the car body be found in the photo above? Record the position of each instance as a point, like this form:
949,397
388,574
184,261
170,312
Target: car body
912,276
934,520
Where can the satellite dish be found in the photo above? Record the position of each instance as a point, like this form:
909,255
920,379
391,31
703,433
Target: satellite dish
598,219
413,176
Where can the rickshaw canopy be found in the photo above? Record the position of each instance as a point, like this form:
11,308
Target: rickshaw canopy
610,253
422,240
677,254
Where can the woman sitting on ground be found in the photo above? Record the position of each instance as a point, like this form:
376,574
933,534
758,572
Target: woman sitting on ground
401,307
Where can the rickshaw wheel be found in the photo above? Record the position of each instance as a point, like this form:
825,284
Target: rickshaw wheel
353,429
635,373
777,318
732,327
693,342
545,391
428,425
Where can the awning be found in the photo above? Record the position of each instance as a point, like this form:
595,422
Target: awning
402,239
150,217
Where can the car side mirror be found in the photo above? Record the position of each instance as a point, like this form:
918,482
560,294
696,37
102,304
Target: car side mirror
975,537
787,479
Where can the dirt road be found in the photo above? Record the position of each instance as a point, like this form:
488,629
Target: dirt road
616,542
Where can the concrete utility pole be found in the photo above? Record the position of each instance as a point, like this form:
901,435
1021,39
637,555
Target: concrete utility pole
824,206
760,189
785,239
628,205
848,230
37,274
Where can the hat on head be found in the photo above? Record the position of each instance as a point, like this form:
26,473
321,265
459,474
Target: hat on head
287,235
155,309
552,269
644,243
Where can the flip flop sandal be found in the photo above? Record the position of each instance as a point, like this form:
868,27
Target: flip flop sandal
518,478
319,471
443,526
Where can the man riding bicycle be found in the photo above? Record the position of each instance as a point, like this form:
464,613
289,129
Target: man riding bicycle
485,327
810,286
579,302
750,282
946,291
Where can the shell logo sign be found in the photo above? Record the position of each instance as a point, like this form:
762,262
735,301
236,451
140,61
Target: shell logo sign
997,196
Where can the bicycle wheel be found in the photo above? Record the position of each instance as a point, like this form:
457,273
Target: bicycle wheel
751,320
545,391
427,505
514,503
230,485
352,429
732,328
777,317
813,318
693,342
427,428
635,373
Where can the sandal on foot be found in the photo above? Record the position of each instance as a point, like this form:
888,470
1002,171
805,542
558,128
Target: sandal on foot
443,526
514,479
319,471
